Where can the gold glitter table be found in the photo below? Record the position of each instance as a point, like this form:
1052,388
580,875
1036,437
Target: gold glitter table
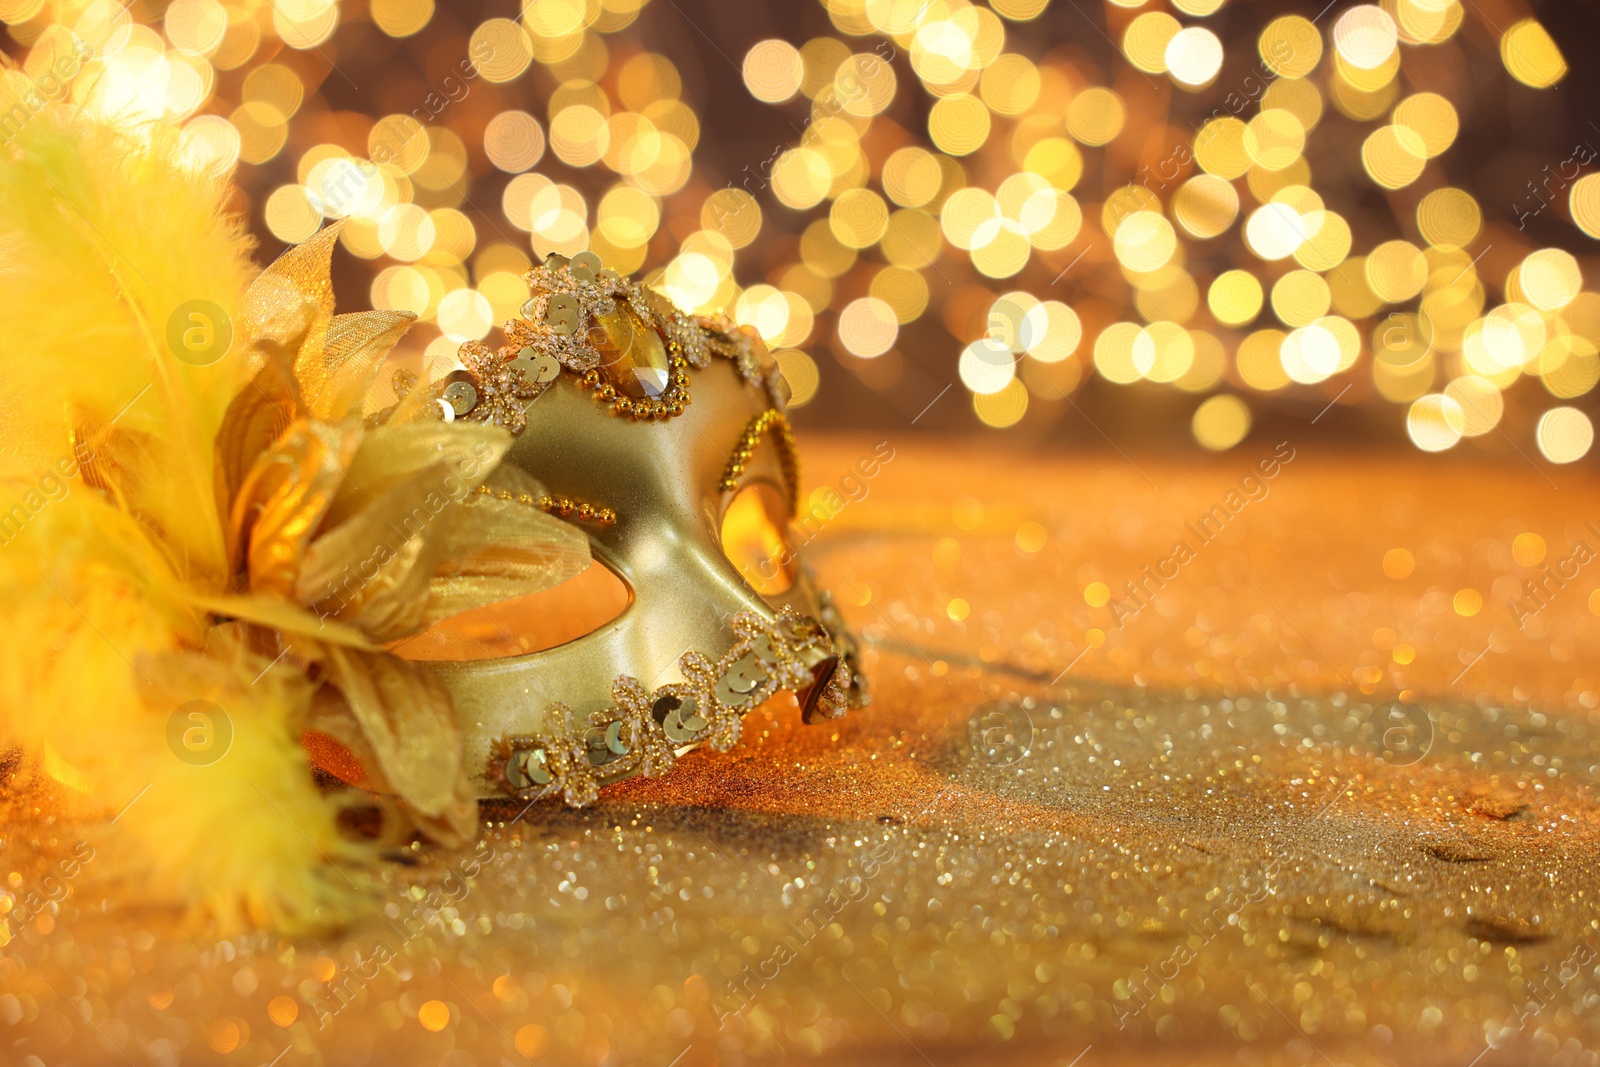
1317,785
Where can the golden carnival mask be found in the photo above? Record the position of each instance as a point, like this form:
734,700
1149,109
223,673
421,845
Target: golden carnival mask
665,437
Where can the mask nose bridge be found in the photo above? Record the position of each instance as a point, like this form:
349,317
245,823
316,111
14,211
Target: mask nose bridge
685,592
674,558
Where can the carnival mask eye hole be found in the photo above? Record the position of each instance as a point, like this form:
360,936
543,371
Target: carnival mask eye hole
753,538
576,608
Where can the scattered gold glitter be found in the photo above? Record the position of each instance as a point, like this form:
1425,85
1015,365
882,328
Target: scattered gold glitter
1264,829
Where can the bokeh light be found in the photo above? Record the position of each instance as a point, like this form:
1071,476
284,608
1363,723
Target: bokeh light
1565,435
1221,422
902,183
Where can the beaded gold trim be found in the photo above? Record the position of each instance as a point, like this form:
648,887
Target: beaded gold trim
769,421
504,381
559,325
563,506
644,731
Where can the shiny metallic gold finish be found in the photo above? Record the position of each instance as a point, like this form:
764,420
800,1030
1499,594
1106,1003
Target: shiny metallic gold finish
695,632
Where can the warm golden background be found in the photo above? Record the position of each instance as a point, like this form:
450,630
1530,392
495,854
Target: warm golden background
1084,265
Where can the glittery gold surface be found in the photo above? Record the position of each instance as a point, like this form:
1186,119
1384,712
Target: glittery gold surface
1289,812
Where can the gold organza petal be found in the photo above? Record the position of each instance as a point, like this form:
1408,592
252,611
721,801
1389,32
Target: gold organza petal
256,418
287,313
285,498
290,620
412,740
353,761
501,549
290,304
384,533
448,459
373,571
352,355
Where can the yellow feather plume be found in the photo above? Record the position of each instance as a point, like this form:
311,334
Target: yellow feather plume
186,482
110,528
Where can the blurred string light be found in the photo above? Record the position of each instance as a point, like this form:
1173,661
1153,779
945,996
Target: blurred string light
1153,221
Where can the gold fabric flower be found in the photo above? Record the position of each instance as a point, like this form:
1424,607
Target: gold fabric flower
348,535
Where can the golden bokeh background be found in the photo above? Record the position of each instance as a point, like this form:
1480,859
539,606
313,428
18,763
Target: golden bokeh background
1142,225
1192,216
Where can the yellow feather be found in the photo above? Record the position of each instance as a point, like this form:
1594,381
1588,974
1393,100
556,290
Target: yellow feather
107,246
112,538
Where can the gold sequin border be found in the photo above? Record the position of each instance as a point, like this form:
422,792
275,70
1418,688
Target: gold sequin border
644,730
690,341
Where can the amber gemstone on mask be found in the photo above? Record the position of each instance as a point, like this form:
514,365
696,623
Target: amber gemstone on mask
632,355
